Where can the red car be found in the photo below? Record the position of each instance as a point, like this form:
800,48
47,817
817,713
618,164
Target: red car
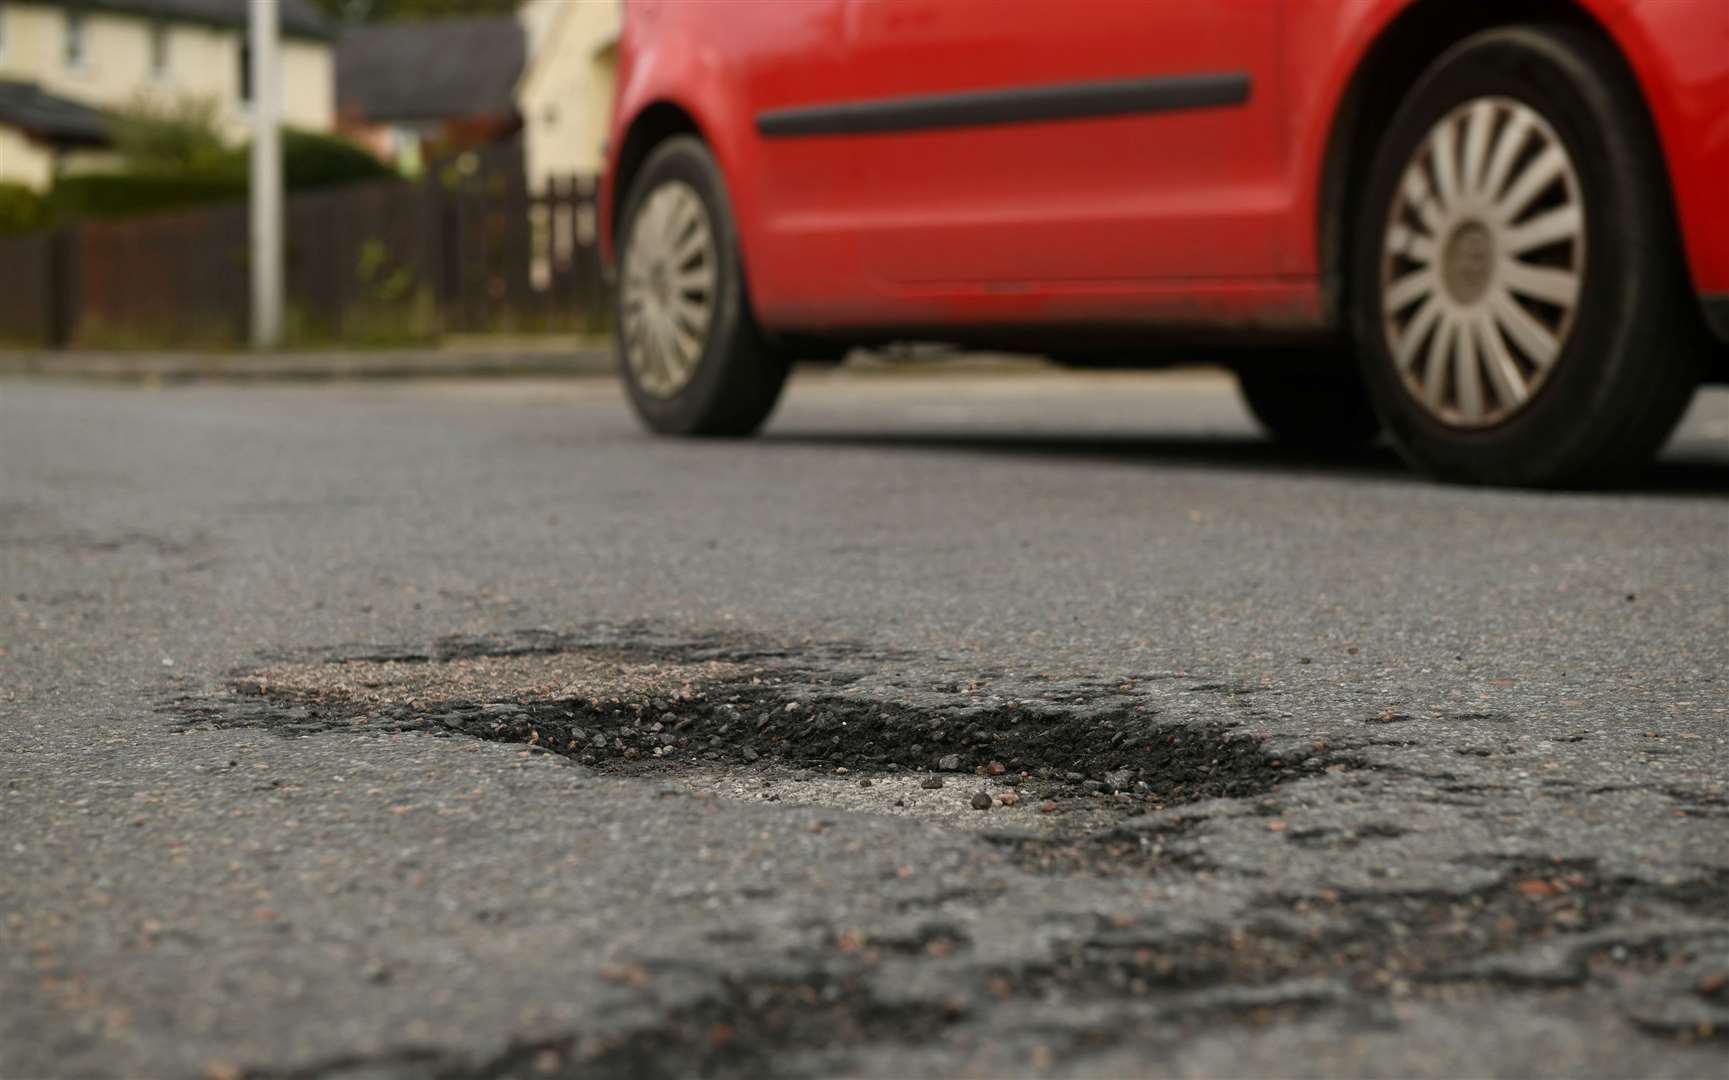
1496,231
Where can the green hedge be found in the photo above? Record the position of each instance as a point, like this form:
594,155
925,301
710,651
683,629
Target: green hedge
123,194
21,209
308,161
312,161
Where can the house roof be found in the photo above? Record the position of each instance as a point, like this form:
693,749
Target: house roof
433,70
299,17
30,109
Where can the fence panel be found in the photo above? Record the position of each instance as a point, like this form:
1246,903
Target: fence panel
174,279
367,263
28,308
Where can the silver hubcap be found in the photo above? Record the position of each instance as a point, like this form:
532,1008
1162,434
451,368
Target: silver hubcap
667,295
1483,261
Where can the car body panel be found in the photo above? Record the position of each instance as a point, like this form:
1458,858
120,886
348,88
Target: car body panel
1679,50
969,225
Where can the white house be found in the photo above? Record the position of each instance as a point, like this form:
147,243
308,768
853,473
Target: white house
565,94
64,62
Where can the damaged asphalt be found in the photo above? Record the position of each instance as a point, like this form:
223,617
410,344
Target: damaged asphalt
458,730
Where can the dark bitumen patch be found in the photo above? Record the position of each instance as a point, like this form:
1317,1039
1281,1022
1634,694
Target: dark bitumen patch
637,706
747,1027
1539,925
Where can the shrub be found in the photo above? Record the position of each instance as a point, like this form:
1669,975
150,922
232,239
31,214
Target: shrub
308,161
122,194
154,136
311,160
21,209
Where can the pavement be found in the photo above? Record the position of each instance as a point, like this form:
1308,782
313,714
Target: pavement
456,728
489,356
475,356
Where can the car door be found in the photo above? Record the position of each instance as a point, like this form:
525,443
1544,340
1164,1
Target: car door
1064,140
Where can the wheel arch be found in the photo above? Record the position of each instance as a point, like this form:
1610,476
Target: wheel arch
653,124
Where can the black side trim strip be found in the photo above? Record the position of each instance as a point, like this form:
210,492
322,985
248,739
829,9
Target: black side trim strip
1017,105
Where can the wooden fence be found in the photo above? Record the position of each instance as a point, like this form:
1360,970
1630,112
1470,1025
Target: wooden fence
379,262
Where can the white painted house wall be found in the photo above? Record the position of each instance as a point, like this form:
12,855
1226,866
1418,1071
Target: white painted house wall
565,96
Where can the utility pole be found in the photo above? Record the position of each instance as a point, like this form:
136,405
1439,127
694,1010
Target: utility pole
266,180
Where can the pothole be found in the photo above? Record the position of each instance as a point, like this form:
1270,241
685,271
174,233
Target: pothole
773,726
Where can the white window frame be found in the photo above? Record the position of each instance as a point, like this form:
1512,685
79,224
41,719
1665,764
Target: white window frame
75,43
2,32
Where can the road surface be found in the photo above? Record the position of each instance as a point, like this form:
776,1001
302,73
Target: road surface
458,729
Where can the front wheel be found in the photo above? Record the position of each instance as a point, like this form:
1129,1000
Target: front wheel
694,361
1519,298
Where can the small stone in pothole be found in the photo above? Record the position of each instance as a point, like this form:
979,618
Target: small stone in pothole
931,782
1008,798
864,783
982,800
996,768
749,754
1048,807
949,763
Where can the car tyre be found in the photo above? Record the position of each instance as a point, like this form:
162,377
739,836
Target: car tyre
693,360
1554,341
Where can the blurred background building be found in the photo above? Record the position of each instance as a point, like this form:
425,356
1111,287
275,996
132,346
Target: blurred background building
565,95
412,90
441,159
65,63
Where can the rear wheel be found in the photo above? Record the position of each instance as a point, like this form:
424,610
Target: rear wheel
693,359
1518,294
1314,412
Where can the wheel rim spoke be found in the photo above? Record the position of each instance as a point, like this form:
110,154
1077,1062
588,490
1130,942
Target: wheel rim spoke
1510,140
1467,378
1442,157
1410,244
1550,227
1419,196
1483,262
1477,124
1524,331
691,314
698,279
1544,169
1415,332
1440,359
1410,288
1504,374
1558,287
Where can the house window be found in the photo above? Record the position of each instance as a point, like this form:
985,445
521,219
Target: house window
159,50
245,72
75,50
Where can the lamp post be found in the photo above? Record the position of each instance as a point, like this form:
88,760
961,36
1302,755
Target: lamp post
266,178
